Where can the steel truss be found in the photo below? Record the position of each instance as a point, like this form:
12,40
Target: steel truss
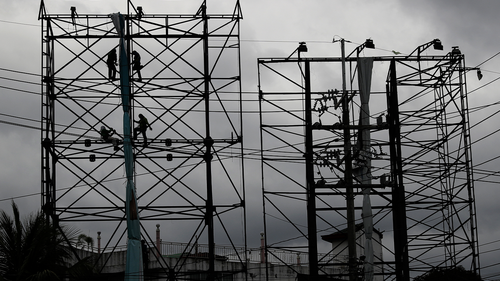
190,92
421,179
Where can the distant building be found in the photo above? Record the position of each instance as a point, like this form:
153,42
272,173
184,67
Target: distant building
340,249
281,265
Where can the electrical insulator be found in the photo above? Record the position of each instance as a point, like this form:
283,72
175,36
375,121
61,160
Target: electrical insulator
168,142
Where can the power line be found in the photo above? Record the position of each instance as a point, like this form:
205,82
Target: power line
20,72
19,90
487,60
122,178
19,23
33,83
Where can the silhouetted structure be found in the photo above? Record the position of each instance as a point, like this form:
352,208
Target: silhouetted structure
190,88
406,150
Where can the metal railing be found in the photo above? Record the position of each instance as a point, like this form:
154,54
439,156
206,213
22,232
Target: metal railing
228,253
237,254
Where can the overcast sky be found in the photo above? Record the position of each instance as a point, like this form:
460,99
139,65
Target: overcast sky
271,28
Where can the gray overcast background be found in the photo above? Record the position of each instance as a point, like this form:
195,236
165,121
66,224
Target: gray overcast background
272,28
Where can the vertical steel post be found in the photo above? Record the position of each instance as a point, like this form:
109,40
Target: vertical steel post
209,215
474,246
98,242
46,118
351,226
262,248
48,121
158,241
264,233
398,190
311,192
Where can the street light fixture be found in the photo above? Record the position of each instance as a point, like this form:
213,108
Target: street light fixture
368,44
302,48
436,44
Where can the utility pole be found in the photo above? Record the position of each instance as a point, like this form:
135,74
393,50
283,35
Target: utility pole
351,227
311,186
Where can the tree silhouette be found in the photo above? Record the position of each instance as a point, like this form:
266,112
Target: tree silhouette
33,248
85,240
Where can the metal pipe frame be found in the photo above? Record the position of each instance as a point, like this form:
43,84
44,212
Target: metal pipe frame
424,203
185,176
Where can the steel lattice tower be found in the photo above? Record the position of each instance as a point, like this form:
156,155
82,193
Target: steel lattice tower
186,177
420,178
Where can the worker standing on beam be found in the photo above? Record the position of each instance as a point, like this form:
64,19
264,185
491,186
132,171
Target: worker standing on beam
112,63
136,64
143,126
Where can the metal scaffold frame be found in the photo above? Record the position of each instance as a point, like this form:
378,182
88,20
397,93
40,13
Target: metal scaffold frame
416,169
190,92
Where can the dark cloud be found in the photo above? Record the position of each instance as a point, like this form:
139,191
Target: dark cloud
269,29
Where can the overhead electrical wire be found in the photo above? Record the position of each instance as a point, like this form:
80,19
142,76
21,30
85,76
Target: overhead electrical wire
33,83
19,23
269,41
479,108
253,151
4,69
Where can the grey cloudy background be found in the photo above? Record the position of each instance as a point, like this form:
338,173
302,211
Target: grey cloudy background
272,28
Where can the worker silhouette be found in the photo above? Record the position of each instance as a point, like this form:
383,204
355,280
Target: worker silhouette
106,135
143,126
112,63
136,64
74,15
